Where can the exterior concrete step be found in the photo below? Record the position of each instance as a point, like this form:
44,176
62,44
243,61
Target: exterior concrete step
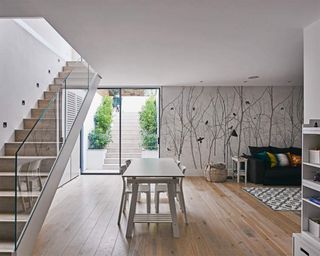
37,112
123,155
124,150
128,133
7,225
7,179
126,139
6,248
112,161
110,166
46,104
41,135
7,163
47,123
7,201
31,149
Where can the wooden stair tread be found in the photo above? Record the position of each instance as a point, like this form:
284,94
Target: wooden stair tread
29,174
7,217
20,194
6,246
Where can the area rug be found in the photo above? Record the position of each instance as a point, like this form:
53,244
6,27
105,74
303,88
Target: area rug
278,198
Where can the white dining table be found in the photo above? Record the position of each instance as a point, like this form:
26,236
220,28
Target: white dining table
153,170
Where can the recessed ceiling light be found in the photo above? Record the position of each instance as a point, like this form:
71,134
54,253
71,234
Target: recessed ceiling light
253,77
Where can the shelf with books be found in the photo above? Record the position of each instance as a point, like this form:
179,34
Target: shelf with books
307,200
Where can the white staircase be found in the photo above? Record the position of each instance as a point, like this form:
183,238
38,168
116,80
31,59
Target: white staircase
42,143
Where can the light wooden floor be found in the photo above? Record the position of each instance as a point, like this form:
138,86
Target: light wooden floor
223,221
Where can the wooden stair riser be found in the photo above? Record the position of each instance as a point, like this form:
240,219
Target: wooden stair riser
8,165
42,124
75,69
48,95
5,253
7,204
36,135
75,74
31,149
46,104
7,183
7,230
71,81
47,113
55,87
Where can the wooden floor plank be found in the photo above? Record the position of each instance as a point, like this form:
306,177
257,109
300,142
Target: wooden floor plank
223,220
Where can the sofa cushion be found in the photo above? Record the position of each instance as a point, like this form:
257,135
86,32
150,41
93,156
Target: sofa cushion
255,150
272,159
288,172
283,159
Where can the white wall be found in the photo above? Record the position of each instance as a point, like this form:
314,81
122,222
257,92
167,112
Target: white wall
312,72
24,61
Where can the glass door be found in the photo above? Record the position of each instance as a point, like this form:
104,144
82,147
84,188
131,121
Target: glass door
121,124
101,136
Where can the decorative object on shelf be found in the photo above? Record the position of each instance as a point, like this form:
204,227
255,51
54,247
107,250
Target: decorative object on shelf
315,200
314,156
317,177
216,172
314,226
278,198
315,124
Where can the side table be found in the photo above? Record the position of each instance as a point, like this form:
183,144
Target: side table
239,168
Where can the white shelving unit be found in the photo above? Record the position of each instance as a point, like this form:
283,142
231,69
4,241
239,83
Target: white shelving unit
305,243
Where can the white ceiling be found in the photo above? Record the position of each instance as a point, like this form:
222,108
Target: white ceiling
180,42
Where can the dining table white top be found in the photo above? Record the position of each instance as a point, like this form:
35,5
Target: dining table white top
153,167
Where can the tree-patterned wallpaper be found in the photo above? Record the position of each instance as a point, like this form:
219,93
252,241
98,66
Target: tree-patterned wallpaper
199,125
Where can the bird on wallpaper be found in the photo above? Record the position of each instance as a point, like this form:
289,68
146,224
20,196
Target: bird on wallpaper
230,127
193,108
200,139
234,114
282,108
168,149
247,102
172,108
206,122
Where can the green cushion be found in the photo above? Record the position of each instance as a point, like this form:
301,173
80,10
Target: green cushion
263,156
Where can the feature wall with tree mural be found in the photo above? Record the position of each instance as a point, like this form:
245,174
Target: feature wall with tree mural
199,125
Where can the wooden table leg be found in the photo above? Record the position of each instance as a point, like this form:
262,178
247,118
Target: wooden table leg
134,197
173,212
